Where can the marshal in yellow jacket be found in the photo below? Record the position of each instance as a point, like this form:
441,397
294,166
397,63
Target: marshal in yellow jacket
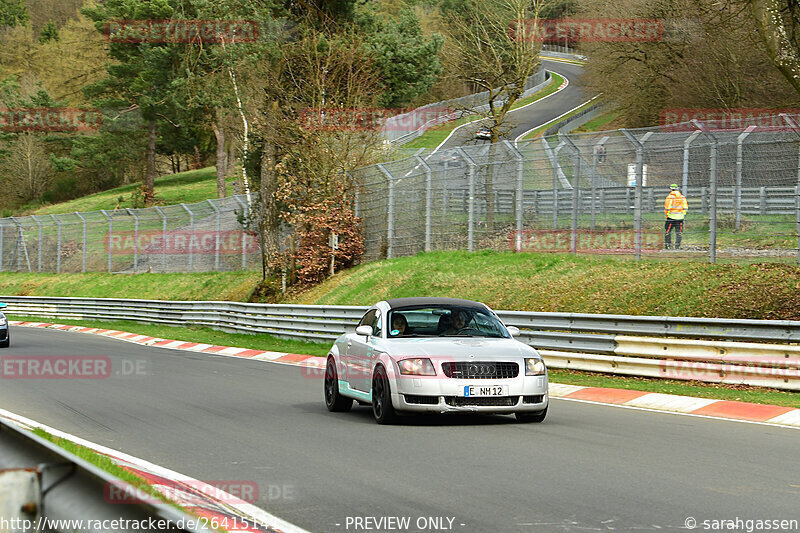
675,206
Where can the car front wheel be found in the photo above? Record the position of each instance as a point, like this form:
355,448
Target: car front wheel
531,417
382,407
334,401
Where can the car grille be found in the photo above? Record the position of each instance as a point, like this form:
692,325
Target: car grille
537,398
480,370
493,401
421,400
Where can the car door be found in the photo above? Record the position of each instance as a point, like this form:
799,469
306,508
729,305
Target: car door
352,343
360,352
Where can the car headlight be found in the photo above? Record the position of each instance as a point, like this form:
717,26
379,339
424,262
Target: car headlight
3,320
416,367
534,367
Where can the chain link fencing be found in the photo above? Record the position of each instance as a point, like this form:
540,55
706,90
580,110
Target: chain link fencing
200,237
600,192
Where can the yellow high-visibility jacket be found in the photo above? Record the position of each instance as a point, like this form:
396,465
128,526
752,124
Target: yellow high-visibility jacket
675,206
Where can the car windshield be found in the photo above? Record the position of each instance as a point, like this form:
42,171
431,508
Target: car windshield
444,321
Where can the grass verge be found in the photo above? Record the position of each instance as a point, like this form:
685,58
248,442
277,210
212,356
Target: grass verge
231,286
184,187
433,137
106,464
194,334
742,393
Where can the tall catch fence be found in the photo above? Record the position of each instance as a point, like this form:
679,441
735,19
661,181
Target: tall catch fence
199,237
597,192
584,193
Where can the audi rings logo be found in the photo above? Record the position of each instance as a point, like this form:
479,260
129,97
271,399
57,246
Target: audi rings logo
482,369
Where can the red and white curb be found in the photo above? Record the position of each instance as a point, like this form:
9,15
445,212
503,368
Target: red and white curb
672,403
216,508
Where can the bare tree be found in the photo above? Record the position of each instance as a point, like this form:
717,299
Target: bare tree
778,24
28,171
495,49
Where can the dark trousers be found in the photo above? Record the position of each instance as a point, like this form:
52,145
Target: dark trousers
669,225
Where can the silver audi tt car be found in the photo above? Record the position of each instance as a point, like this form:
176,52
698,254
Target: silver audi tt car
435,355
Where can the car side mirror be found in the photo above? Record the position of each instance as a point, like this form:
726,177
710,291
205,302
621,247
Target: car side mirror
3,306
513,331
364,330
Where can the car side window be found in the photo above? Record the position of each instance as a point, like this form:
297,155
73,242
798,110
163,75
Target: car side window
377,324
368,318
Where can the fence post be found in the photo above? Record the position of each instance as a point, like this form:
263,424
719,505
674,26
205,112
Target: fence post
191,234
428,200
576,187
556,167
471,205
737,195
599,145
83,269
518,200
135,239
216,237
110,235
712,179
244,235
389,211
796,128
685,178
58,247
637,201
39,223
163,238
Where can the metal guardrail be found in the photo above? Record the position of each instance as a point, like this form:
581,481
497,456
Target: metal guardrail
643,344
46,485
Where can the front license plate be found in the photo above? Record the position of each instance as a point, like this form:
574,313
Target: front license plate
485,390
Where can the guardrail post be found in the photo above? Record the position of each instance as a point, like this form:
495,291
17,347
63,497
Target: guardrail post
471,205
685,177
2,234
637,201
518,196
428,200
110,235
712,179
389,211
83,268
135,239
737,195
216,237
163,238
39,223
58,246
191,234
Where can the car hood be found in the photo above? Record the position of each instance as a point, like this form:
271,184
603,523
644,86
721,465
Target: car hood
467,347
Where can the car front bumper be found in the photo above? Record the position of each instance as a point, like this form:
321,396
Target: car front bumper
445,395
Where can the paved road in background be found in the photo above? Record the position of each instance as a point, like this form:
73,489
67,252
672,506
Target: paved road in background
586,467
533,115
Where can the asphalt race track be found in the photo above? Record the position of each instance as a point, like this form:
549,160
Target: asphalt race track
523,119
586,467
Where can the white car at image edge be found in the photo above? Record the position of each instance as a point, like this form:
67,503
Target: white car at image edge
435,355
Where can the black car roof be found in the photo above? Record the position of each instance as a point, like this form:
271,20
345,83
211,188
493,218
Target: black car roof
410,302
